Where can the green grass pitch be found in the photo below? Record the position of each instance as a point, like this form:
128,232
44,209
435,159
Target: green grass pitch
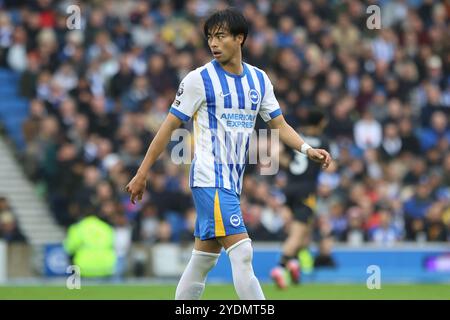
226,292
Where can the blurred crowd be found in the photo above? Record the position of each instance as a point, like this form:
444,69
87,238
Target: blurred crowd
99,94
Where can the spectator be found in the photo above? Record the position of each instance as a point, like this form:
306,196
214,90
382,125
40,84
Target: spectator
90,245
415,210
337,220
9,229
355,234
137,94
346,34
409,141
437,132
435,228
416,172
446,169
122,80
122,243
17,54
385,233
392,143
256,230
340,124
367,132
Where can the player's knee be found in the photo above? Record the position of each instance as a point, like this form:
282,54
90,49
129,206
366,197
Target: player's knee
206,260
241,252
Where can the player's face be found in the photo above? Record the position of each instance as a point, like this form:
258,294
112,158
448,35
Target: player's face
223,45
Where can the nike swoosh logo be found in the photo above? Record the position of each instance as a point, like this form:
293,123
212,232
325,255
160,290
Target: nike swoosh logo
224,95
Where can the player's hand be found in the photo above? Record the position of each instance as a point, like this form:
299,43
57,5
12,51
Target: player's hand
320,156
136,187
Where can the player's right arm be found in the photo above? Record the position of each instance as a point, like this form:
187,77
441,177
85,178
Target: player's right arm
189,98
137,185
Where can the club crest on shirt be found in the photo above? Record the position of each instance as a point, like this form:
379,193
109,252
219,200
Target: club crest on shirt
180,89
254,96
235,220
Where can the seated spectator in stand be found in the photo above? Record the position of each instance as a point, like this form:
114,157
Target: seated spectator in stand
417,169
439,129
338,220
367,132
139,91
446,170
9,229
148,223
391,145
415,210
257,231
435,228
187,235
4,205
122,243
355,234
385,233
410,142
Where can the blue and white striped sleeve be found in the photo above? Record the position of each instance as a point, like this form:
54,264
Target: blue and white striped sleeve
270,108
189,97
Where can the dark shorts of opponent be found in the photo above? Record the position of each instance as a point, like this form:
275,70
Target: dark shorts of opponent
302,207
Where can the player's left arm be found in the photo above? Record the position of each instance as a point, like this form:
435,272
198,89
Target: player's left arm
293,140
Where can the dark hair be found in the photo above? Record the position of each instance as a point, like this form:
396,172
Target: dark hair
315,117
229,19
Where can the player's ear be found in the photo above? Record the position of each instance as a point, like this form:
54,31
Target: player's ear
240,38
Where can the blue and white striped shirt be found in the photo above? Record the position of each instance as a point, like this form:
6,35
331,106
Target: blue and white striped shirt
224,107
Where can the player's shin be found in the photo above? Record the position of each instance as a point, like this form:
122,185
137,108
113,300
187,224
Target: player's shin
245,282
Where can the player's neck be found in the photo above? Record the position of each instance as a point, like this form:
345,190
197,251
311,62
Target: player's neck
234,65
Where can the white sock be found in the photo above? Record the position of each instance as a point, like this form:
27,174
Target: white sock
192,282
246,284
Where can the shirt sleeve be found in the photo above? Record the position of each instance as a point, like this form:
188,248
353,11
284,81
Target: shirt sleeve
270,108
189,97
